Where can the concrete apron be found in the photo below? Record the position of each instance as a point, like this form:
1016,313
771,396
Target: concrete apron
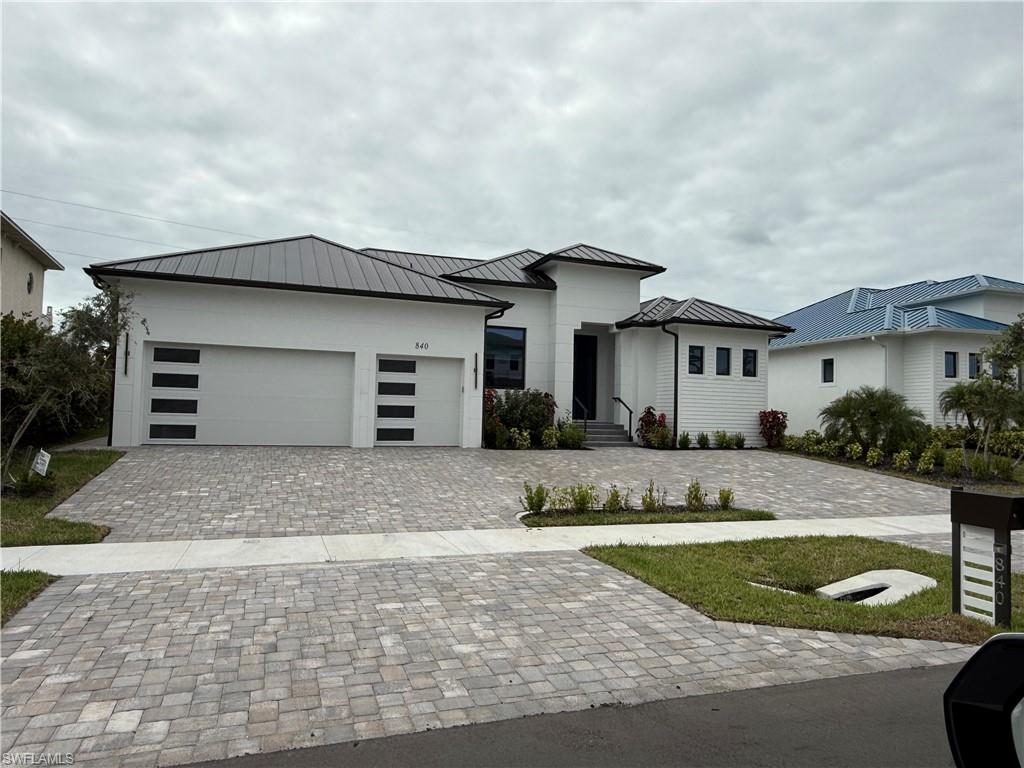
87,559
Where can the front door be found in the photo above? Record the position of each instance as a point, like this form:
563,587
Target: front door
584,376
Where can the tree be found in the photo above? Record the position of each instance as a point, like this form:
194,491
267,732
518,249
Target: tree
960,399
1006,353
872,417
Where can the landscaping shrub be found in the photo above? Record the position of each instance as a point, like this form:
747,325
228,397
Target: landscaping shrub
661,438
871,416
1003,467
722,439
696,496
702,440
519,439
652,500
616,501
773,427
829,448
501,437
31,485
549,438
725,499
926,464
684,440
980,469
527,410
953,462
649,423
577,498
1009,442
874,457
793,443
739,440
534,499
854,451
571,436
902,461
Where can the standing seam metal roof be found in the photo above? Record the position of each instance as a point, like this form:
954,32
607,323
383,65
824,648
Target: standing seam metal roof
510,269
427,263
694,311
587,254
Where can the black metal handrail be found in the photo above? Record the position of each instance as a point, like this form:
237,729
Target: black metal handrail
622,402
586,412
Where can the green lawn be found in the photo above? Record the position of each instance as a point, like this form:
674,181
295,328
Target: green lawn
18,587
713,578
597,517
23,521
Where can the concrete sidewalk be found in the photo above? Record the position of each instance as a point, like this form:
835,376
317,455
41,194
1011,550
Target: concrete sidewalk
82,559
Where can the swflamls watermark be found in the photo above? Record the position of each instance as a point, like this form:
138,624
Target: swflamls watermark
38,758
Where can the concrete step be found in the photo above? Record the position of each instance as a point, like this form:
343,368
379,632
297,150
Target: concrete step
608,444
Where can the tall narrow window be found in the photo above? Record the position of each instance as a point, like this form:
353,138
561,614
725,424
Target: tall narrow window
750,362
972,365
723,361
828,370
505,357
696,359
951,365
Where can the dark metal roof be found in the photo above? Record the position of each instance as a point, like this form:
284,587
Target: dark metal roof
588,254
40,254
510,269
306,263
692,311
428,263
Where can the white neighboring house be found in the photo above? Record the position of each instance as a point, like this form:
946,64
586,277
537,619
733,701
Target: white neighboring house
917,339
303,341
23,265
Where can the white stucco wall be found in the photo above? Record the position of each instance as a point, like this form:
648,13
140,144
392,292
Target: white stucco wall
1004,308
532,311
15,266
258,317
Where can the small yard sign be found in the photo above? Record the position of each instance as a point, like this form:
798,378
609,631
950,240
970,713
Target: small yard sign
41,463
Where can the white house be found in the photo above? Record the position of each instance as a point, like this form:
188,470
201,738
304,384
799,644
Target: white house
303,341
23,266
917,339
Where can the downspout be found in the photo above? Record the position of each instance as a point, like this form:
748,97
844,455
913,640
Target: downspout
476,365
675,386
885,361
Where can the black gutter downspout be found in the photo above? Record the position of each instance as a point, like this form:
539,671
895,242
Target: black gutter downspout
675,387
489,316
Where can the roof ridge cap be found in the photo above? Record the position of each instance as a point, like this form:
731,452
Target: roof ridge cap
421,253
483,262
229,246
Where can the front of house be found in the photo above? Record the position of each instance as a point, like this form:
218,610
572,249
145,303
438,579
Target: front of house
917,339
303,341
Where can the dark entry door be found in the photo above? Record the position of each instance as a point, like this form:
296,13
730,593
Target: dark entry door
584,376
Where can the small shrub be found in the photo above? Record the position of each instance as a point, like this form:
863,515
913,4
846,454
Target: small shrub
702,440
953,462
980,469
902,460
810,441
926,464
571,436
31,485
722,439
648,424
854,451
582,498
1003,467
793,443
549,438
725,498
828,448
938,454
696,496
874,457
519,439
773,427
534,499
684,440
1009,442
661,438
616,501
739,440
652,500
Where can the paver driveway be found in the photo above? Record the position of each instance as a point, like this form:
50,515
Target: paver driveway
133,669
162,493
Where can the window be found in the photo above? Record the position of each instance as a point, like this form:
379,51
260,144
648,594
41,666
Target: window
972,365
750,362
696,359
160,405
505,357
396,411
175,355
951,365
172,431
180,380
385,434
396,366
723,361
828,370
396,388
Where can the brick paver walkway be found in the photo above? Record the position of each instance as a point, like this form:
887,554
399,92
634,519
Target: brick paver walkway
175,667
163,493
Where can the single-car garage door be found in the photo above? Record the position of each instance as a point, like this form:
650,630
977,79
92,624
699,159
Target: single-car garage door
419,401
218,395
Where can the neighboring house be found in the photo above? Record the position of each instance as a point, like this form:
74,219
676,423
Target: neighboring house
23,265
917,339
305,341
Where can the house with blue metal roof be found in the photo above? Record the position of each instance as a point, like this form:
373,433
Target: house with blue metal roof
918,339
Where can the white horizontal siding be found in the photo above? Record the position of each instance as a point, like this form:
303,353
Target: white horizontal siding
664,381
919,375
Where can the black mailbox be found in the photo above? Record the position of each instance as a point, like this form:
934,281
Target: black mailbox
981,552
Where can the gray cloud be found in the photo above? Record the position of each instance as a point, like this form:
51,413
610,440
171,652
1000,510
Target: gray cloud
768,155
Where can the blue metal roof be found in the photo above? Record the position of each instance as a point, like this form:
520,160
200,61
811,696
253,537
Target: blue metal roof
866,311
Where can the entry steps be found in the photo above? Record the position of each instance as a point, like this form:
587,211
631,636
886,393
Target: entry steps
605,434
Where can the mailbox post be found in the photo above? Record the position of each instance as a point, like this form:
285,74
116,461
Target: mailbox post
981,552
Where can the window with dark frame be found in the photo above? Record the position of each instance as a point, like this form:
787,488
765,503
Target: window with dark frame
173,405
951,365
404,434
505,357
385,411
828,370
750,363
176,380
723,361
696,359
172,431
402,388
385,365
972,365
175,355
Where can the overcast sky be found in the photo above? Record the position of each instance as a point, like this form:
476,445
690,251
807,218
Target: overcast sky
768,156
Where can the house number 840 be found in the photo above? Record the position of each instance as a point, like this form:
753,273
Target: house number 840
422,345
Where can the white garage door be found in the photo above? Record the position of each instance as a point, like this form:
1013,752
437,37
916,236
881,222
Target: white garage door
217,395
419,401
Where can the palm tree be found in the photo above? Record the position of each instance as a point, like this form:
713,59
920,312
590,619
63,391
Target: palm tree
872,417
961,398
